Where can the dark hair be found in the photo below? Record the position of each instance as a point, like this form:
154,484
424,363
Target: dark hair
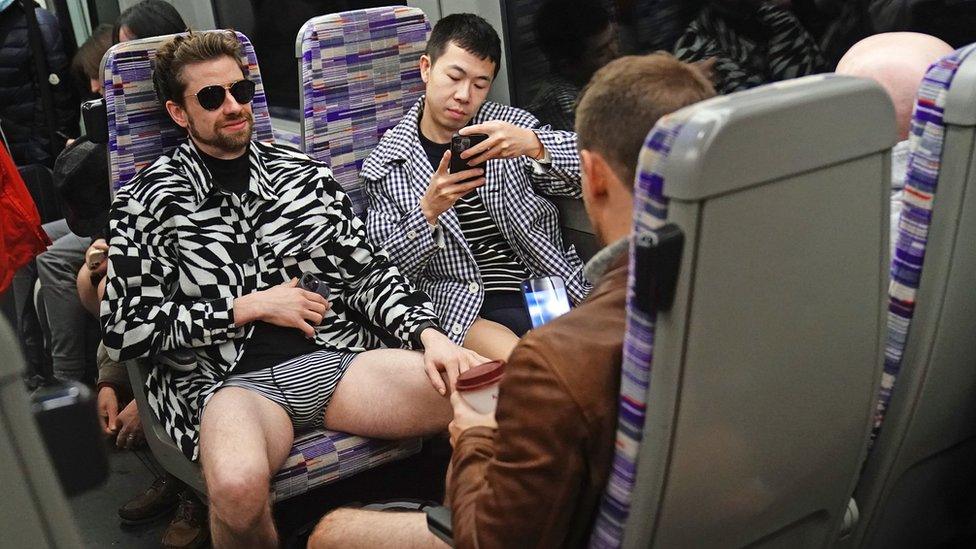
149,18
173,56
563,27
88,59
468,32
624,100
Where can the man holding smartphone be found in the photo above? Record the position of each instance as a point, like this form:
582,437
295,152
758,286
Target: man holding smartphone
469,236
206,249
531,473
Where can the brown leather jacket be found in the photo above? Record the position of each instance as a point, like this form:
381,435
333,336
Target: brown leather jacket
537,480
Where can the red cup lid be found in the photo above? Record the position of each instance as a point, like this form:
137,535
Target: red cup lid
481,376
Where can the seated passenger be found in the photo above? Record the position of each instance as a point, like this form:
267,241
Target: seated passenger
468,239
206,247
577,38
534,476
754,42
898,61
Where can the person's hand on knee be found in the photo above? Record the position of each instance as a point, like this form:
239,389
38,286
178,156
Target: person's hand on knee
443,355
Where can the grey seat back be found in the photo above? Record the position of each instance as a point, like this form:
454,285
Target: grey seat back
917,486
34,511
765,370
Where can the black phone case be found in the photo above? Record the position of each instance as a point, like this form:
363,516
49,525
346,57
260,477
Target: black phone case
459,145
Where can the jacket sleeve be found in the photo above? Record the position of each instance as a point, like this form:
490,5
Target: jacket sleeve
405,235
517,487
562,178
139,318
379,291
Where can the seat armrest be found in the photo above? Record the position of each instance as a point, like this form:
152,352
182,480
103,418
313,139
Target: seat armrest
439,523
162,445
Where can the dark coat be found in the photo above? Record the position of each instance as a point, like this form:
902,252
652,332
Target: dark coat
21,107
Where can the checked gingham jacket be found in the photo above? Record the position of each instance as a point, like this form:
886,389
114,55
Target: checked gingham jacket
439,261
181,250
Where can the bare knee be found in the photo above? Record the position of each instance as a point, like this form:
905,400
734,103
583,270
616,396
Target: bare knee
330,531
239,496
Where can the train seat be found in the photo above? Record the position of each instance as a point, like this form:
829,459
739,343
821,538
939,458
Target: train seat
359,74
916,489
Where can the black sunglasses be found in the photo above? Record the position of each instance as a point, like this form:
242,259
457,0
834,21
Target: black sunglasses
212,97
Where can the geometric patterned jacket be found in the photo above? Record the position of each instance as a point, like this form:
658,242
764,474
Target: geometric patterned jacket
181,251
439,261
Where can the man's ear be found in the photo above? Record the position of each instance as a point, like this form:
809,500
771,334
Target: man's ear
425,65
177,113
594,168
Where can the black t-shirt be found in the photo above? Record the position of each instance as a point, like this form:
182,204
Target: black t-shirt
501,268
269,344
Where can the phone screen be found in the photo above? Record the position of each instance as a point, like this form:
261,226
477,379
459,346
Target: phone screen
545,299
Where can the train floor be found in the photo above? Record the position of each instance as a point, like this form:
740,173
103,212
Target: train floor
418,477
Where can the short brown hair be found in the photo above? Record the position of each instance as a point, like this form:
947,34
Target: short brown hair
186,49
624,100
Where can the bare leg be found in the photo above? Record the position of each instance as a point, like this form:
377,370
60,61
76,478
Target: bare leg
490,339
244,440
385,394
374,529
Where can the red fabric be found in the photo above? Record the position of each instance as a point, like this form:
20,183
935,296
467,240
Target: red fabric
21,236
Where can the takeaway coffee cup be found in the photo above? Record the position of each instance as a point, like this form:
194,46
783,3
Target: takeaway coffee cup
479,386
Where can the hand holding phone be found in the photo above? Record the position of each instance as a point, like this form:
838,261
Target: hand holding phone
312,283
446,188
504,140
461,143
545,298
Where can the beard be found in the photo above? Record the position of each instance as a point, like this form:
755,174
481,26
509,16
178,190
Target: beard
229,142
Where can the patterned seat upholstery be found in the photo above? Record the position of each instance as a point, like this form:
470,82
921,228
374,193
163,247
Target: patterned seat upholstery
926,135
650,213
139,132
360,75
924,430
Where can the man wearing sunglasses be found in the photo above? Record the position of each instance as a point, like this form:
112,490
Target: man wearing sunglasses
206,249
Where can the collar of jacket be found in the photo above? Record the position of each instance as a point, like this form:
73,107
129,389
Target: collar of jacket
606,259
188,157
403,144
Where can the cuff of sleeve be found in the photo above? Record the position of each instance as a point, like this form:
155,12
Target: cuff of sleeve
541,166
98,387
415,341
221,318
418,232
437,234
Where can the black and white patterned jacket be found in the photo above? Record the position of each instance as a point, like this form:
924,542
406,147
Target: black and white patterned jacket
181,251
440,262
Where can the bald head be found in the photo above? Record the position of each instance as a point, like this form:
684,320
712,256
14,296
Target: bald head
897,61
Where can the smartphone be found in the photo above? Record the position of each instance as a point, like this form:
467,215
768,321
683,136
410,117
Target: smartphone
459,144
95,256
310,282
545,298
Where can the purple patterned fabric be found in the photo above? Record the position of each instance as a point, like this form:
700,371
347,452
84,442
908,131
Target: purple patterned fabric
322,457
361,73
925,145
650,213
139,129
